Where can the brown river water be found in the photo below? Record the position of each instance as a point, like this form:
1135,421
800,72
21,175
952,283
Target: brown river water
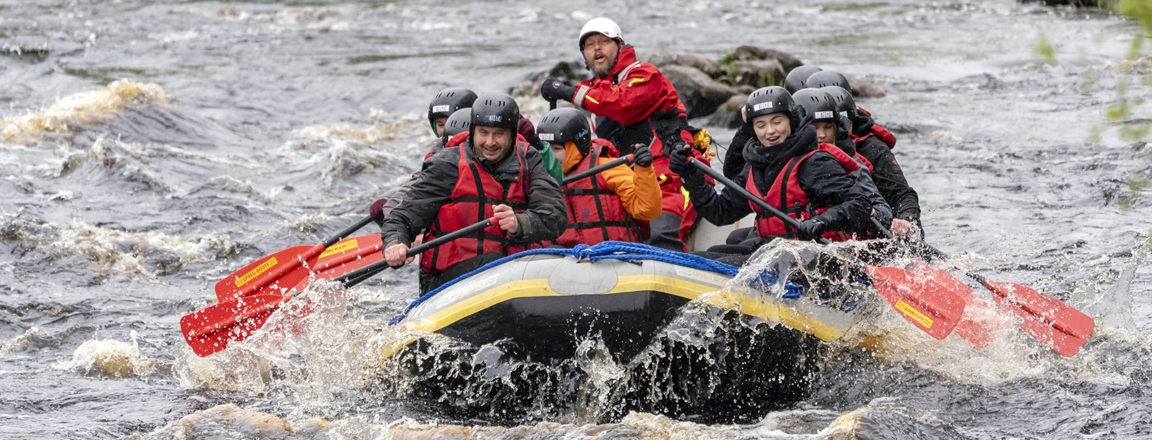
147,150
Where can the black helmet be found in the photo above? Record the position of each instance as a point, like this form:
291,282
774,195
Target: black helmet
828,78
566,125
496,110
817,104
457,123
843,100
769,100
447,101
798,77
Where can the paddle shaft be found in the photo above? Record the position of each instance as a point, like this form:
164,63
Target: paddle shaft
356,277
795,224
295,263
598,168
355,227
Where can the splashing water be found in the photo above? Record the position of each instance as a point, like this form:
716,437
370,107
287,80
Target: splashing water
89,108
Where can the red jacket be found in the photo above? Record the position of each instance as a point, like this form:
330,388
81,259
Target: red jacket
631,93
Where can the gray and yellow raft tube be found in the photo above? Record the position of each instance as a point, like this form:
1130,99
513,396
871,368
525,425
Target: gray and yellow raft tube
754,347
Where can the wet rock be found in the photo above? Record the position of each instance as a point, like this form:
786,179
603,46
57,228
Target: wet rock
728,114
161,261
19,50
749,53
694,60
756,73
570,72
700,94
865,87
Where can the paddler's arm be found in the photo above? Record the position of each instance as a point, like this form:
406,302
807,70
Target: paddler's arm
638,189
425,195
721,208
827,185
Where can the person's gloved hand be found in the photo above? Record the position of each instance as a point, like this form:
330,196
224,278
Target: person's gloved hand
527,130
883,216
553,89
641,155
678,162
377,210
810,229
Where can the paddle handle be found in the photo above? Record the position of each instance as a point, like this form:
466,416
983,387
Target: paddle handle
719,177
598,168
357,276
880,227
340,236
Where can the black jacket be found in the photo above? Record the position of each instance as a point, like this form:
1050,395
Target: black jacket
545,218
734,157
880,208
821,177
886,173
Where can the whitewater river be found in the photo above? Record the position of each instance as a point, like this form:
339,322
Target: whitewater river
149,150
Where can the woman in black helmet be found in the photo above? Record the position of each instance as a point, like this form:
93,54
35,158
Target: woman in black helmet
834,139
886,172
784,168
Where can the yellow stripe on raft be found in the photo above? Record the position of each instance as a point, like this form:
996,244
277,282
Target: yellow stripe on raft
748,305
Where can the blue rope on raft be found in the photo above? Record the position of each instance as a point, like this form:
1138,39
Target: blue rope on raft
625,251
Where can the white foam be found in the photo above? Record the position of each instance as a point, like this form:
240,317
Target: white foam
110,356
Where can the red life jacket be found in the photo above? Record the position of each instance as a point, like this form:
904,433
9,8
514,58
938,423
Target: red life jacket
845,160
785,194
881,133
595,212
475,194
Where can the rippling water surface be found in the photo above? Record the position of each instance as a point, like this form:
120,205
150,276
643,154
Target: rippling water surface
148,150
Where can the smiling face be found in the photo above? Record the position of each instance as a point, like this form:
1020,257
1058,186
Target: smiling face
772,129
491,143
600,53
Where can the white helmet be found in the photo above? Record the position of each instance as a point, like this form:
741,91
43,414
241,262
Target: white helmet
601,25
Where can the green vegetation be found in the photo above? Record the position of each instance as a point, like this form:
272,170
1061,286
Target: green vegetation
1141,11
1043,49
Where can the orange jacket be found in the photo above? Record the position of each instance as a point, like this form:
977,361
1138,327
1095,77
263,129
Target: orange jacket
637,187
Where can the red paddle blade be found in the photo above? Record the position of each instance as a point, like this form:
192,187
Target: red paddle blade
211,329
1046,318
929,306
977,333
348,255
275,273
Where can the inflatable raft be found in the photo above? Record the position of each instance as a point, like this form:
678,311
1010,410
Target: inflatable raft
756,339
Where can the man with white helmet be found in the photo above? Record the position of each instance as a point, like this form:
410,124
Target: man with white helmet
637,105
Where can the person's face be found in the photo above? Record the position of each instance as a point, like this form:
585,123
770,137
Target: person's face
600,54
771,129
559,150
492,143
825,132
440,125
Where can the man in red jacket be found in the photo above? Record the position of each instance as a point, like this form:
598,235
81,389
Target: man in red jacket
637,105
